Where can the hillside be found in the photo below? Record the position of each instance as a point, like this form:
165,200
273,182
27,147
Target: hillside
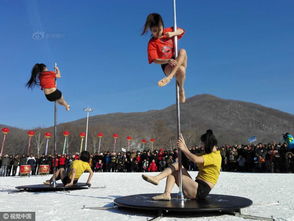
232,122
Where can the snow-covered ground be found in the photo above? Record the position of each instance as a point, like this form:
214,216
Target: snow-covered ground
272,196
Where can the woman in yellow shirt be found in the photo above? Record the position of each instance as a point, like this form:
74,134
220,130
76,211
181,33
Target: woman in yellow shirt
77,168
209,166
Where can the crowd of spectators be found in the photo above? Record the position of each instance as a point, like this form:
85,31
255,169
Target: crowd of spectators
238,158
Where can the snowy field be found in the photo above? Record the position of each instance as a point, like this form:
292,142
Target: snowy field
272,196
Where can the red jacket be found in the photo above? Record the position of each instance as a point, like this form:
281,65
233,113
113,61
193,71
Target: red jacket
152,167
56,162
161,155
62,161
138,159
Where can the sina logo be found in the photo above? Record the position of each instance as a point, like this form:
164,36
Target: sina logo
166,49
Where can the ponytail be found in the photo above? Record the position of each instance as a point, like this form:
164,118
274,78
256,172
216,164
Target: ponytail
37,69
209,141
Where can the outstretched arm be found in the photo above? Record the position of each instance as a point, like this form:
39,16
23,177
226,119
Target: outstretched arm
183,147
90,176
72,178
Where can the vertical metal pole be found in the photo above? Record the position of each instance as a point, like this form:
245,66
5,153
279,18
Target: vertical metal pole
3,142
46,148
39,143
55,124
55,142
99,145
88,110
29,145
64,145
87,125
55,139
55,128
66,140
181,195
114,145
81,147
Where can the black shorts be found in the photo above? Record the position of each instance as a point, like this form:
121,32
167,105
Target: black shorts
163,66
202,190
67,180
54,96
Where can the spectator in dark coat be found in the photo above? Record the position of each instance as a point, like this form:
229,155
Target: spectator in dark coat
15,165
106,162
23,160
4,165
9,167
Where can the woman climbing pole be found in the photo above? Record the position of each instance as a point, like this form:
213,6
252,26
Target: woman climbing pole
161,50
209,166
47,80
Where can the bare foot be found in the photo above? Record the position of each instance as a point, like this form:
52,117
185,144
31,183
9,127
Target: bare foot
47,182
164,197
163,81
182,95
67,107
150,179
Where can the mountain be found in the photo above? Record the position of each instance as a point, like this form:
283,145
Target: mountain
233,122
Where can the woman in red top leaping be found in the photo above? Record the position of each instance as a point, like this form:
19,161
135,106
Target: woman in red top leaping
161,51
47,81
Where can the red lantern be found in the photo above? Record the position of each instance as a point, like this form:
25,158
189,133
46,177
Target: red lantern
5,130
31,133
115,136
152,140
100,135
129,138
143,141
66,133
48,135
82,134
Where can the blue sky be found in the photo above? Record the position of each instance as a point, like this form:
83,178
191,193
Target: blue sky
240,50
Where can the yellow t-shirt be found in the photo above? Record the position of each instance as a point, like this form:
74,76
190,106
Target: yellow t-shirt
80,166
210,169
